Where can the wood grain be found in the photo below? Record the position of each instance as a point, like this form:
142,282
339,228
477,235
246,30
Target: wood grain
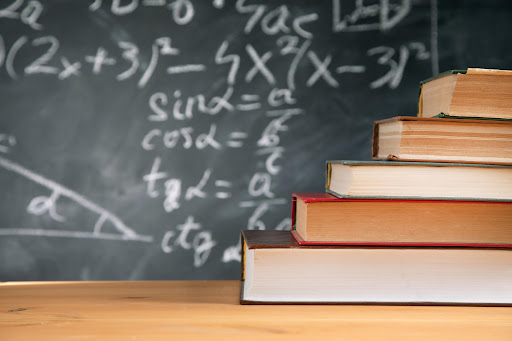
176,310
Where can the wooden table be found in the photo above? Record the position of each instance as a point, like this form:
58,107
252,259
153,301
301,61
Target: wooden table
209,310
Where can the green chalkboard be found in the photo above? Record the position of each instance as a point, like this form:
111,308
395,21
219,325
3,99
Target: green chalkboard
138,137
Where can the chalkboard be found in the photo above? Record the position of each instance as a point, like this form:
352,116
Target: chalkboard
138,137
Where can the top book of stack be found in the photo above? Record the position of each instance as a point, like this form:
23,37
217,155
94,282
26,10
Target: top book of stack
475,93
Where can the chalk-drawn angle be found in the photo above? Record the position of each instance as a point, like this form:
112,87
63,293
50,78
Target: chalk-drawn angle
47,205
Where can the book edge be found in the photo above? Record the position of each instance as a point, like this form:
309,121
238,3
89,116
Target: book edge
475,118
447,199
447,118
443,74
412,164
392,157
413,199
376,303
301,241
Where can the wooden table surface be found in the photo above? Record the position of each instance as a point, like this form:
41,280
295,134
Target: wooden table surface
209,310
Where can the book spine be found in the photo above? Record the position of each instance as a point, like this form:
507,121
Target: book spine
375,140
242,254
328,177
420,102
294,211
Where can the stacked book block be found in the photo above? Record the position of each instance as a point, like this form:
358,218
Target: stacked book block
428,221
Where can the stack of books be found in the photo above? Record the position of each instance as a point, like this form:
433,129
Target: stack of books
427,221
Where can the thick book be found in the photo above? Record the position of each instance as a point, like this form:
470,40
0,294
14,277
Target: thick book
419,180
276,269
482,93
323,219
404,138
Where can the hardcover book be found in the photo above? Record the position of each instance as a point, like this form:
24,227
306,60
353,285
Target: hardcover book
323,219
405,138
482,93
276,269
419,180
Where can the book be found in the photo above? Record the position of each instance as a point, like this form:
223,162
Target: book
483,93
405,138
419,180
323,219
276,269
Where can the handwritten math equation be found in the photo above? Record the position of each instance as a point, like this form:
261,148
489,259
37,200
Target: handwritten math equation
290,60
293,45
160,184
128,59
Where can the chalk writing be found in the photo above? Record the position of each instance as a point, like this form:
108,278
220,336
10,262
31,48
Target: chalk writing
70,69
185,136
210,100
326,68
42,205
396,68
7,142
182,10
275,21
161,46
28,12
190,237
381,16
172,187
260,185
101,58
